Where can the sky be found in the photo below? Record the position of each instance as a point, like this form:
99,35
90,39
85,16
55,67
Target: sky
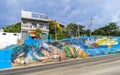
64,11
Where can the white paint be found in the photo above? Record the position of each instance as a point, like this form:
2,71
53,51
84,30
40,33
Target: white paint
8,39
26,14
34,15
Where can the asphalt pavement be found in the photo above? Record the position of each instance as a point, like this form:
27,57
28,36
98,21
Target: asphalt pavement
102,65
111,68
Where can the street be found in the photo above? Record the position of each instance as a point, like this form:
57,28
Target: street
102,65
111,68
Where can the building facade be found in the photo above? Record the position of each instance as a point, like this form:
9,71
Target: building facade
7,39
30,21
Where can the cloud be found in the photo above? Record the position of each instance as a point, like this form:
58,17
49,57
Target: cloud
65,11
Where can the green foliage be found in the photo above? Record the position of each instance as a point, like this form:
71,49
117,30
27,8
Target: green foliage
38,31
108,30
55,31
71,29
87,32
15,28
52,26
74,29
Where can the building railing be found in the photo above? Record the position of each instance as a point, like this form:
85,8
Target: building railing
33,28
34,15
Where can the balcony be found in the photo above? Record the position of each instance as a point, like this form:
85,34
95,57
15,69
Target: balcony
34,16
29,28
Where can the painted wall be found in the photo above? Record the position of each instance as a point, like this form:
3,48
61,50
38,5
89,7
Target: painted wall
5,59
7,39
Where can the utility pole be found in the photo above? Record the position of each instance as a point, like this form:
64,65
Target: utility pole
78,31
55,32
91,24
119,30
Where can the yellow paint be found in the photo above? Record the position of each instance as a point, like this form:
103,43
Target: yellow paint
106,41
109,46
83,54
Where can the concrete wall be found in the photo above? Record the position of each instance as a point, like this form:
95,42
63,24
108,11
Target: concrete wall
7,39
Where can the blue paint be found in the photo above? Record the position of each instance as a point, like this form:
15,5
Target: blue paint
47,37
100,50
30,41
5,59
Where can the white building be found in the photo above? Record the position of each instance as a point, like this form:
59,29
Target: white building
7,39
30,21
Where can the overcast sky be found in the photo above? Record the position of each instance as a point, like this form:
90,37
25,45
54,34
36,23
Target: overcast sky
65,11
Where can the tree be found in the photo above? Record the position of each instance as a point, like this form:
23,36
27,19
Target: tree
87,32
74,29
55,31
38,32
15,28
108,30
52,28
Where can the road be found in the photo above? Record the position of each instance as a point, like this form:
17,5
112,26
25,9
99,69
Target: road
102,65
111,68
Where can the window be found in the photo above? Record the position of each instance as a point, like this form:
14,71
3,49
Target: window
4,34
34,25
24,22
15,34
41,25
47,26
